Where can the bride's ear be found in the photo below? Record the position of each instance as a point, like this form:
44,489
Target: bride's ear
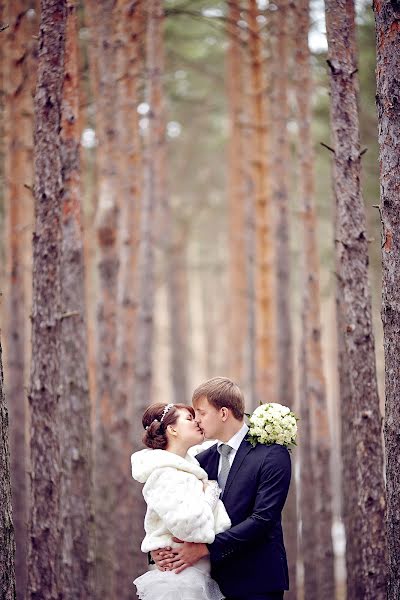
171,430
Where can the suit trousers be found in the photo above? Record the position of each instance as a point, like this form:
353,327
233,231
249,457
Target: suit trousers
269,596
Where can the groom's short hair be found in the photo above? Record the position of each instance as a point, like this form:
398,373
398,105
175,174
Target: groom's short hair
221,392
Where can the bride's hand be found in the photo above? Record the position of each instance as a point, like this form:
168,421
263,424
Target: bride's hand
162,556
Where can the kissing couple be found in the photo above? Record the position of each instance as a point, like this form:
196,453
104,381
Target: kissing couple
213,521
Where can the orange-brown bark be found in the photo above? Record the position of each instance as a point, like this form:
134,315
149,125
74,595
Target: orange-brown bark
129,560
265,274
151,202
280,34
19,81
101,15
237,273
76,503
320,577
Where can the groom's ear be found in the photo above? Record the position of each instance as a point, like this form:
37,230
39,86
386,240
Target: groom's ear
224,413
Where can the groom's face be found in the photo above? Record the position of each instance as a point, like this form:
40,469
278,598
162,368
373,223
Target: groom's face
208,418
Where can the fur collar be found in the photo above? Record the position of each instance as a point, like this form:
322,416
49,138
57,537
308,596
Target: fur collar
146,461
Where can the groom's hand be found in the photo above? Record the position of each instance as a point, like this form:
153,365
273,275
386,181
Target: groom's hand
185,556
160,557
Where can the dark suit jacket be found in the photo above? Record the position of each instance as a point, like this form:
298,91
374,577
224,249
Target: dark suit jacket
250,557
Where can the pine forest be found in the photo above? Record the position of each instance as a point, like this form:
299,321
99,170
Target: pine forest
192,189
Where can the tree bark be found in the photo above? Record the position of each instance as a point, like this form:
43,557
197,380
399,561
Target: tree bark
236,198
265,274
19,80
77,518
249,227
101,15
44,525
280,36
315,393
350,510
351,248
281,204
129,560
7,541
307,500
178,295
150,205
387,17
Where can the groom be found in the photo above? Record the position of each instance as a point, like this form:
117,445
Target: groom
249,560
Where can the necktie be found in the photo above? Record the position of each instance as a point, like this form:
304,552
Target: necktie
224,451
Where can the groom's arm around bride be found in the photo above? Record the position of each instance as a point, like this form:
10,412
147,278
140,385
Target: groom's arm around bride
249,560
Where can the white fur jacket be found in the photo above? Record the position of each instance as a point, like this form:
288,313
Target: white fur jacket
176,503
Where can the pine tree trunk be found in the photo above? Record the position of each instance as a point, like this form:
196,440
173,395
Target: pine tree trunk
237,267
7,541
350,511
90,192
249,207
280,161
352,270
2,119
19,79
315,393
281,204
101,17
44,526
265,275
387,16
77,518
129,560
178,297
307,500
150,205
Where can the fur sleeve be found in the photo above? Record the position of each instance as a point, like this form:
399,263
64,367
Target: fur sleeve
178,498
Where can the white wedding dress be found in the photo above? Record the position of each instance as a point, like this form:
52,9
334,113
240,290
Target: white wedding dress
194,583
179,505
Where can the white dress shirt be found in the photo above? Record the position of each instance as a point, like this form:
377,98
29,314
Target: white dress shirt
234,442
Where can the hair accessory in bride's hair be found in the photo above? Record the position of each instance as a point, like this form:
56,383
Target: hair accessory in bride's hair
166,409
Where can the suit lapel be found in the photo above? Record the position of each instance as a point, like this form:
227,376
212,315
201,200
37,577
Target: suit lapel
212,469
244,448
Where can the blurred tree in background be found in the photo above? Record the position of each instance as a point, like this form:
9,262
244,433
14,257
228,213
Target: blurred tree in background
205,146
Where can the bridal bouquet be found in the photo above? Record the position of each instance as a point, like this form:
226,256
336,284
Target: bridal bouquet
273,423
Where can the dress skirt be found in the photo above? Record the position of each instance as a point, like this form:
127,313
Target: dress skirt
194,583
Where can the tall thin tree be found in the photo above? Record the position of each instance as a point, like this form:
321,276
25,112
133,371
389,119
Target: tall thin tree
249,207
280,35
265,274
129,560
321,577
7,541
19,80
177,282
386,17
150,204
44,397
77,519
351,248
237,267
102,22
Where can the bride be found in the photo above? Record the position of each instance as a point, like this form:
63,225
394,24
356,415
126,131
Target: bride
181,502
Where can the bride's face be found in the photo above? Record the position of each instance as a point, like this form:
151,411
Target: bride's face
187,429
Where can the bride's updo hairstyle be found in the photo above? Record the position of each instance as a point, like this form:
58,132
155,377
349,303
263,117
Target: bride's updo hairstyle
155,435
